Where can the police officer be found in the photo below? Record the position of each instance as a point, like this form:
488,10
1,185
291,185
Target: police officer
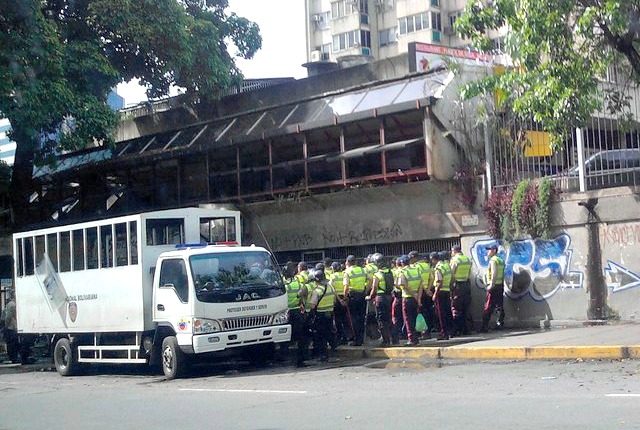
442,293
328,268
380,294
343,331
461,293
426,309
495,289
295,293
303,275
397,320
9,330
321,302
410,283
355,283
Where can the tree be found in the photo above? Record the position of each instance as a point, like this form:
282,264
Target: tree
559,50
59,59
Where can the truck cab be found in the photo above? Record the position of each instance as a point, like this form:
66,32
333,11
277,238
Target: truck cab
216,298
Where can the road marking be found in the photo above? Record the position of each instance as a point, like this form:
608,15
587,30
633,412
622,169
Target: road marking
243,391
622,395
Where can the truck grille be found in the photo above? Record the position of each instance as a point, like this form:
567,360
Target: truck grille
246,322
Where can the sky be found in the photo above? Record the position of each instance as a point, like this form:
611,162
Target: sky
283,43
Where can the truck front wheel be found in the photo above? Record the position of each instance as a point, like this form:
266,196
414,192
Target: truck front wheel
174,363
65,357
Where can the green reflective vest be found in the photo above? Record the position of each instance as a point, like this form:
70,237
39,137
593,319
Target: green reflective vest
498,277
293,293
302,277
444,269
425,271
357,279
463,267
327,296
414,279
337,282
382,284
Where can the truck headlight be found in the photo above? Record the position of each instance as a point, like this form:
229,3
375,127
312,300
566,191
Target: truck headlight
281,318
203,325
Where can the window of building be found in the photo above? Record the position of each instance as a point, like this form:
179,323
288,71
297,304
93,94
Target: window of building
325,17
435,3
351,39
436,21
387,36
413,23
453,16
363,6
342,8
365,38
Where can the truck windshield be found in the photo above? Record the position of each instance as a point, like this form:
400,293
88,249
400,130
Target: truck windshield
235,276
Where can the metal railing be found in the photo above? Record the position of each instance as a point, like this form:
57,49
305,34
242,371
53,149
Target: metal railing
603,154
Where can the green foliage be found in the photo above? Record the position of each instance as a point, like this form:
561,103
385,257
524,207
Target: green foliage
59,60
520,212
543,211
517,203
559,49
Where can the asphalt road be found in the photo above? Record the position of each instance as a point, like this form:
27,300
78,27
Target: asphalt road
374,395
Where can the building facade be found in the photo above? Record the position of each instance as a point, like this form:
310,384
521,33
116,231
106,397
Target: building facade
377,29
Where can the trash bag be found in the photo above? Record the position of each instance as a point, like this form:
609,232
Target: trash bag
421,324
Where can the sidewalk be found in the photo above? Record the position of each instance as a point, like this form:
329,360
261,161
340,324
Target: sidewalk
611,341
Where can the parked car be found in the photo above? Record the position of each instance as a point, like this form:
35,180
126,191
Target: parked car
605,169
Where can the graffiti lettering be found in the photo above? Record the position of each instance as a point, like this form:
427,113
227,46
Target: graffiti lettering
365,235
628,234
336,237
539,268
290,241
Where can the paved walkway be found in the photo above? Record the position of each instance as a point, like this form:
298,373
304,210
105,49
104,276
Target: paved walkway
611,341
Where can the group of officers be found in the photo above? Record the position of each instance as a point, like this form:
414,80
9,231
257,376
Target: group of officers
330,303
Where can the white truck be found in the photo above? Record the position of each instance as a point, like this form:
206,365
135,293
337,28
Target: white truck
148,288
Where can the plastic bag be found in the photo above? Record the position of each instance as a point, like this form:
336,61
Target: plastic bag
421,324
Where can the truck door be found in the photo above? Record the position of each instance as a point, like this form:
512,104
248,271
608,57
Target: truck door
172,294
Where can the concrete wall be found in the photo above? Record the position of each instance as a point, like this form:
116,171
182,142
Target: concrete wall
554,279
389,214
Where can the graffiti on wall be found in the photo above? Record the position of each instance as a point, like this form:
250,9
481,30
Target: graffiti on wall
339,236
619,278
620,235
538,268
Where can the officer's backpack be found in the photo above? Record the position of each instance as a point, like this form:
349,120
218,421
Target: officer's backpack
388,281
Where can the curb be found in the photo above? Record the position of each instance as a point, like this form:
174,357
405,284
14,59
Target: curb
612,352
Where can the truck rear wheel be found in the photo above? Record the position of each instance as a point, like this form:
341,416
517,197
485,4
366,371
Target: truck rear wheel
65,357
174,362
